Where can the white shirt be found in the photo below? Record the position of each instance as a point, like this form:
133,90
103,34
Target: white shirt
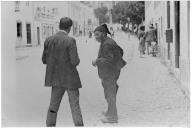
64,31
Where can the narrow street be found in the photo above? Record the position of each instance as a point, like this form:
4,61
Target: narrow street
148,95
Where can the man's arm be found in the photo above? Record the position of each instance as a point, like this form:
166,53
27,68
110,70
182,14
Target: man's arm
107,57
45,51
74,58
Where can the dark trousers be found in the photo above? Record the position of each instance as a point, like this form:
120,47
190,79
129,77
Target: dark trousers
56,97
110,91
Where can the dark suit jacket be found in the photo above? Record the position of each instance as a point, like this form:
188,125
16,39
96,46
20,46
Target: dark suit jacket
61,58
109,61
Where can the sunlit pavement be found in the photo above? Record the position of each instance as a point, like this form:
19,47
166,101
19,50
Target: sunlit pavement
148,95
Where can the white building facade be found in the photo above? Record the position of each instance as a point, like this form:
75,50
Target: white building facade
45,21
34,21
23,12
172,20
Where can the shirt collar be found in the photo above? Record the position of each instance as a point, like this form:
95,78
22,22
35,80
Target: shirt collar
64,31
105,39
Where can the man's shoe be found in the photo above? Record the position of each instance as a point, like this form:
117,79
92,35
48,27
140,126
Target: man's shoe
79,124
109,120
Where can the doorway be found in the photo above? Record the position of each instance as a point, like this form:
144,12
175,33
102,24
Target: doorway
177,33
28,29
38,35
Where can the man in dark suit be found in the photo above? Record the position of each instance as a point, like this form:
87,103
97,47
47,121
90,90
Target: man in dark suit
61,58
109,63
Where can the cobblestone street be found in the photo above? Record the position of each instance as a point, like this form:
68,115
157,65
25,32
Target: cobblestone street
148,94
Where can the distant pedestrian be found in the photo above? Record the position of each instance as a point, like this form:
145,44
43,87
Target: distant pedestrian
135,29
80,32
61,58
150,37
142,47
109,64
155,43
90,34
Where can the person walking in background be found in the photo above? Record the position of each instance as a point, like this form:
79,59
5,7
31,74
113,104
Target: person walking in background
90,34
109,63
141,41
149,37
135,29
61,58
155,42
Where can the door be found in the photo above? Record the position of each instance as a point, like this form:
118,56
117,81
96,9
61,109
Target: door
177,33
28,29
38,35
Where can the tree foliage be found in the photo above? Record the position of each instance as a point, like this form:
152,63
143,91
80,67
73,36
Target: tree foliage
101,14
132,9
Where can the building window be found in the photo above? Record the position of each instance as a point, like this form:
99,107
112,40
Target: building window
27,3
56,11
168,14
43,12
38,12
17,6
19,29
156,4
101,5
28,30
89,21
147,4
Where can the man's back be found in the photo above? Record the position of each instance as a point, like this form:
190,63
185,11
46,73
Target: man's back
150,35
61,57
110,56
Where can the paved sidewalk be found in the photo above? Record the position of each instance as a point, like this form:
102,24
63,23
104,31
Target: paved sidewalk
25,52
149,95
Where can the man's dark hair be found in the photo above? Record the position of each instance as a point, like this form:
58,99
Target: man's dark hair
151,26
65,23
102,28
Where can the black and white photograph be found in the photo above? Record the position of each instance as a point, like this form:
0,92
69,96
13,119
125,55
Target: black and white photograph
95,63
